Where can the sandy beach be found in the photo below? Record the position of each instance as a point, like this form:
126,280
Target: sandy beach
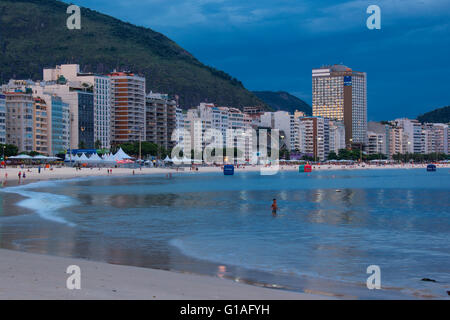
38,277
9,176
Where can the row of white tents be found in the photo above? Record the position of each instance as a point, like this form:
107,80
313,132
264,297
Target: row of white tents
95,158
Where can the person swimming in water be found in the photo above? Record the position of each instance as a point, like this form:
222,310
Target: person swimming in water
274,208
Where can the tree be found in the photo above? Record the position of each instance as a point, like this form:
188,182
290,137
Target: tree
10,150
98,144
332,156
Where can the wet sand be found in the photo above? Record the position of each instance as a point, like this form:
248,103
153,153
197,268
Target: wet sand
39,277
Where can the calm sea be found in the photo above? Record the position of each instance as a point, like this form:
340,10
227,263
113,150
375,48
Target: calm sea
331,226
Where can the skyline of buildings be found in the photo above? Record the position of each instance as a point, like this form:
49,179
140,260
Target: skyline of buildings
69,109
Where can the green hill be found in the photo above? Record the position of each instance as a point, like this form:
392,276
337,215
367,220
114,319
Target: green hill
283,101
33,35
441,115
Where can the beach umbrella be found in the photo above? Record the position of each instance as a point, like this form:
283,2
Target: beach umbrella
40,158
21,157
167,159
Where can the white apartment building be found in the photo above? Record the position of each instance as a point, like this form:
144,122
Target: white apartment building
211,126
286,123
441,136
336,136
413,131
312,137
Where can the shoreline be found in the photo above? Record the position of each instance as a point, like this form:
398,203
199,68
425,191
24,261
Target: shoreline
64,173
29,276
191,278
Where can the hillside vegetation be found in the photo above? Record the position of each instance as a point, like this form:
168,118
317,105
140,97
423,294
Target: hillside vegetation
33,35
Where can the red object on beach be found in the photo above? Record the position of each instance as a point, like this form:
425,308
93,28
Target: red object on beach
308,168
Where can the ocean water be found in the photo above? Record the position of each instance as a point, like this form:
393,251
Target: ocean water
330,227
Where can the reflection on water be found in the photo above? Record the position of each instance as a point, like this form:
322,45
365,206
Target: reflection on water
330,226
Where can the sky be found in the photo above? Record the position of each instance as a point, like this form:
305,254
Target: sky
274,44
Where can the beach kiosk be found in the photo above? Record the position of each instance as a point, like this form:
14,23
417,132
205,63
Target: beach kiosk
308,168
301,168
228,170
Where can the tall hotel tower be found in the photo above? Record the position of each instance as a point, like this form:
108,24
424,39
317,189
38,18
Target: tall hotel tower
339,93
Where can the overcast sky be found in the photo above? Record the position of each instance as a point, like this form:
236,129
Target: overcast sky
273,45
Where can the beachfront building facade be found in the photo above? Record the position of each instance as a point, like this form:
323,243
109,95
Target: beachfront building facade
312,137
336,134
414,135
161,119
100,87
441,137
2,119
378,138
286,123
398,140
128,108
20,119
41,134
339,93
60,125
219,128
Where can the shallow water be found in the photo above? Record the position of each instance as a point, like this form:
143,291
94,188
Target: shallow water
330,226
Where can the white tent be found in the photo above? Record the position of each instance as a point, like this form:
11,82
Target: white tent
83,158
95,157
121,155
108,158
167,159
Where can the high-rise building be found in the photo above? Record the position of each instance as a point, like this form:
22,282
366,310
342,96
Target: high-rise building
286,123
339,93
211,126
161,119
337,136
41,133
414,134
20,119
128,107
100,87
60,125
2,119
378,138
441,136
312,137
398,140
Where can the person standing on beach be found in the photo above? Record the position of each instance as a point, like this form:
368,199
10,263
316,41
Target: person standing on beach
274,207
20,175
